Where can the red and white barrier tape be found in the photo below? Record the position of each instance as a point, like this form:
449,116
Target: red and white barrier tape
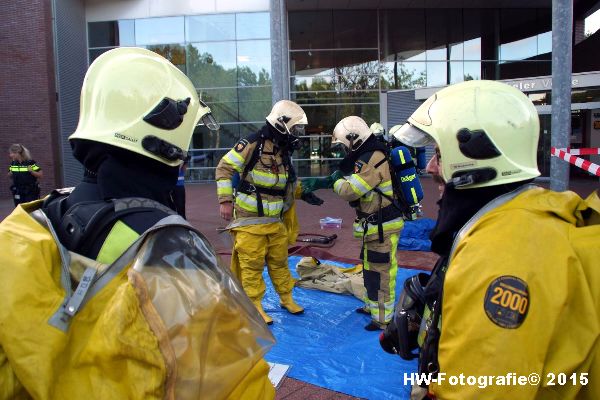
570,155
582,152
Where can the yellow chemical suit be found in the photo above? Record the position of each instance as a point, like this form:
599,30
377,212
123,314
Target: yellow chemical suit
372,174
259,234
522,296
164,321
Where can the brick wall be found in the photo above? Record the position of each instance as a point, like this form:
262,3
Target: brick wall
27,88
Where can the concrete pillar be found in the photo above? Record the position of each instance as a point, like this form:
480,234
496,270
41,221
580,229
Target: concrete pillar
562,29
279,51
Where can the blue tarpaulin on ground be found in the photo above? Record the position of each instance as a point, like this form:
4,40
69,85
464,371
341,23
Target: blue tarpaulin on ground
329,347
415,235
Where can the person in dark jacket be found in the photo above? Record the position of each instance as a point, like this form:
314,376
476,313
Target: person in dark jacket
25,174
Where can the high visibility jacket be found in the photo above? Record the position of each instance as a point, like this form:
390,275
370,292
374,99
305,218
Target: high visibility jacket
521,296
371,171
270,172
24,182
163,321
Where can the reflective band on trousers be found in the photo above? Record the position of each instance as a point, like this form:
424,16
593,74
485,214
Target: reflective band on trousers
392,225
248,202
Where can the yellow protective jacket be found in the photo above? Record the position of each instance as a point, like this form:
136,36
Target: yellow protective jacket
372,173
522,296
164,321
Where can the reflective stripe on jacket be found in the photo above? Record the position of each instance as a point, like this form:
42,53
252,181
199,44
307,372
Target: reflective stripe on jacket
269,172
360,186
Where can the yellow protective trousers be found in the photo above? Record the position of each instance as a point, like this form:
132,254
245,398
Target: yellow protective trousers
380,267
255,245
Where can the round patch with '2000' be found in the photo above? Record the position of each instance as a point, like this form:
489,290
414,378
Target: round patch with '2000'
507,301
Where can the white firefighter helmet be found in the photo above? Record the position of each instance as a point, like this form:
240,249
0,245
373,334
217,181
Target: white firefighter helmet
135,99
377,129
352,132
288,117
487,133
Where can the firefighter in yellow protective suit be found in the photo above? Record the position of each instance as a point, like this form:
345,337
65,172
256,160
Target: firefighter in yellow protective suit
105,292
369,190
264,199
512,309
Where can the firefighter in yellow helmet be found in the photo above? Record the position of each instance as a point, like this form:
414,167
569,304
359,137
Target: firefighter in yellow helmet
516,294
368,188
264,195
107,293
377,129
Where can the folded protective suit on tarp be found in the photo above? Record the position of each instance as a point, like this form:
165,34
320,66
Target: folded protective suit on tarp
315,274
164,321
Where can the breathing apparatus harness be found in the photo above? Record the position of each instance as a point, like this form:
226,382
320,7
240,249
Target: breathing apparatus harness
81,225
398,207
249,188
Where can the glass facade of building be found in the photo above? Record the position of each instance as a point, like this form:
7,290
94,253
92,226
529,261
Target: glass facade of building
227,57
340,61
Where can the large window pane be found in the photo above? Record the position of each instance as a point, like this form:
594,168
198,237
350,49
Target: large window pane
524,69
103,34
404,75
479,33
444,28
218,95
225,111
363,62
254,62
437,73
472,70
255,103
111,33
247,129
212,64
323,118
518,34
172,52
204,138
202,28
472,49
95,53
402,34
544,43
457,72
159,30
312,83
253,26
311,29
353,82
519,49
335,97
354,28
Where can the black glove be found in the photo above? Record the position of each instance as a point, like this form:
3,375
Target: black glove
311,199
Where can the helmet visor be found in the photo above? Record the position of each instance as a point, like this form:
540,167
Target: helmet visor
413,136
210,122
298,130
